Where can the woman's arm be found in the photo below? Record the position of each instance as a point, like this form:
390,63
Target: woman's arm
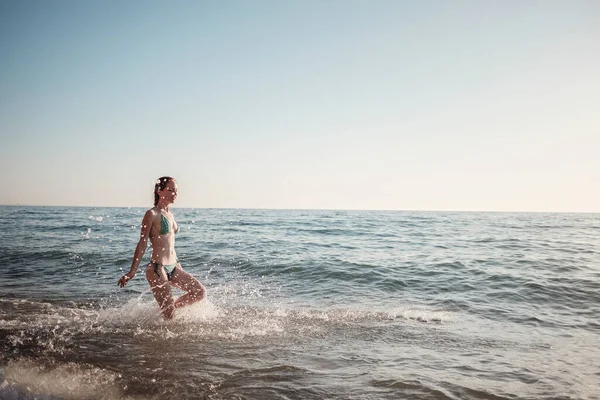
140,249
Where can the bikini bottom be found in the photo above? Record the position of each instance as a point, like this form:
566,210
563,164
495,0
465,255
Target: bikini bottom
169,269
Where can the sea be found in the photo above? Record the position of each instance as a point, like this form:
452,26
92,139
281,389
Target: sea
303,304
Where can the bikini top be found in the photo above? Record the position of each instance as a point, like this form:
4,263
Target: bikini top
165,225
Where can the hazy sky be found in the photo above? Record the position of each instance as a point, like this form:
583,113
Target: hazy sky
402,105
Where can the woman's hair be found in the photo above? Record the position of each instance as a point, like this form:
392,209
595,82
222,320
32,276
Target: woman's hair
161,183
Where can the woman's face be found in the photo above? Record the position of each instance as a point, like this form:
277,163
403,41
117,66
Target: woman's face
169,193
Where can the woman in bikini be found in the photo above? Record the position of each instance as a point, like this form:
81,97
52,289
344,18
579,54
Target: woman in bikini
164,269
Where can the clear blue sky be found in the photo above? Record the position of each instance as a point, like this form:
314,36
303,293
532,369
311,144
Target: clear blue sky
420,105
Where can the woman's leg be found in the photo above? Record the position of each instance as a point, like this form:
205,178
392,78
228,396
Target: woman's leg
161,290
195,291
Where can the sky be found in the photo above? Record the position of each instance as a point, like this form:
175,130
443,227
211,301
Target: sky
334,104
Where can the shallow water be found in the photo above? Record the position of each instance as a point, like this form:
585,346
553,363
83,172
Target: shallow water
304,305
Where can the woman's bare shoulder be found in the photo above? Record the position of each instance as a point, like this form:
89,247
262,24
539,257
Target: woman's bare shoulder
151,214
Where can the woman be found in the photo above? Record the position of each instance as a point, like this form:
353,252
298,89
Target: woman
164,268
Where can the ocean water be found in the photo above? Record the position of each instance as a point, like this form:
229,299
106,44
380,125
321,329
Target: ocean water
304,305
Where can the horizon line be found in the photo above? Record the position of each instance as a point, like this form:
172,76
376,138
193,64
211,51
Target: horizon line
314,209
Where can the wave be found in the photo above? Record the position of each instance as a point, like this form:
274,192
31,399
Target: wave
34,328
27,379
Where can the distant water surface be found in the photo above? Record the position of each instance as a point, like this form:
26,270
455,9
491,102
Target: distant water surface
304,305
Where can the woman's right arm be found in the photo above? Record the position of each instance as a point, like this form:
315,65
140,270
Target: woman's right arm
140,249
